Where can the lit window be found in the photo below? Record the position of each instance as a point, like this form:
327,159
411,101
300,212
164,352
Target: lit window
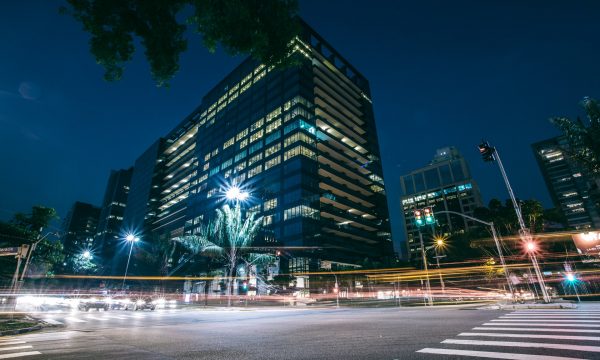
257,125
206,166
243,143
241,134
254,171
215,152
270,204
272,162
274,125
257,135
300,210
228,143
241,166
299,150
272,150
254,159
298,137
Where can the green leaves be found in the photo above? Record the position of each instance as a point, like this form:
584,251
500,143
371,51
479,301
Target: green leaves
260,28
584,141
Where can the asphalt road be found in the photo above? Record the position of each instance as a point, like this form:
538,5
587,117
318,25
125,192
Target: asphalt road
391,333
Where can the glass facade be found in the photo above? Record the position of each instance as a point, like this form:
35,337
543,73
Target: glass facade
302,140
569,185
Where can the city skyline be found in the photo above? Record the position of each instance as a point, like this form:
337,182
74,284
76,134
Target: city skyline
31,97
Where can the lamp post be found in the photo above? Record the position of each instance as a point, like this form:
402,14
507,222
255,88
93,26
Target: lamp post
131,239
439,244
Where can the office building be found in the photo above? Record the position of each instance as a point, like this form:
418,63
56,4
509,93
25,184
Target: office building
110,232
79,228
301,140
444,185
570,186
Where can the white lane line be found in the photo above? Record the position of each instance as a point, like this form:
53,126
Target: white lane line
72,319
116,317
547,320
95,318
547,317
524,345
556,313
542,324
492,355
2,343
533,336
536,329
20,354
16,348
52,321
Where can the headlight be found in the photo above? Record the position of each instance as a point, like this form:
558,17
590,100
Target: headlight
139,302
158,302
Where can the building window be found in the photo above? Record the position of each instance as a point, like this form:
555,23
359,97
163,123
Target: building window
300,210
242,134
272,150
299,150
254,159
226,163
298,137
255,147
254,171
272,126
241,166
270,204
272,162
239,156
228,143
257,135
257,125
274,136
243,143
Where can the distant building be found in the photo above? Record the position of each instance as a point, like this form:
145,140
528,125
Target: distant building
79,228
568,183
110,225
444,184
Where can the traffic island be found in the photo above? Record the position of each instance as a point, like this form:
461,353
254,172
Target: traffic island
13,325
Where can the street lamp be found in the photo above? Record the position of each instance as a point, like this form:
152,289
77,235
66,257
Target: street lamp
131,239
87,254
237,194
571,279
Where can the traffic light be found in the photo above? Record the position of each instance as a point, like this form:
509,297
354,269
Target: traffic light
487,151
418,217
245,285
429,218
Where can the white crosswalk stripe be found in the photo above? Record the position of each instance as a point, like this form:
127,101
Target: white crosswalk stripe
528,335
52,321
11,348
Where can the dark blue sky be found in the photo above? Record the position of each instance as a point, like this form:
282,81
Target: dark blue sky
441,73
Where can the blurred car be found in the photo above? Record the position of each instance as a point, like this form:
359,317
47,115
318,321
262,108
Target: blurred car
141,304
88,304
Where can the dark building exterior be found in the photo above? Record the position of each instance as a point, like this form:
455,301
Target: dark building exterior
301,140
445,184
79,228
570,186
110,225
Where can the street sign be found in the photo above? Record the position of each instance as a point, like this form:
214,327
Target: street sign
7,251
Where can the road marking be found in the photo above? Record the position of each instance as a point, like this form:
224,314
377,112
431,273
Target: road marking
75,319
95,318
492,355
537,329
544,324
549,320
16,348
534,336
524,345
20,354
548,317
3,343
52,321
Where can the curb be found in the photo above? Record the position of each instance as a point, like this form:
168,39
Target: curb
21,331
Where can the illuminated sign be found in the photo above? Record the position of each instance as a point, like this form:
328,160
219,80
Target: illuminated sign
587,243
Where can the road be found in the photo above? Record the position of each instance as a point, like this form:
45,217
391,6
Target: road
306,333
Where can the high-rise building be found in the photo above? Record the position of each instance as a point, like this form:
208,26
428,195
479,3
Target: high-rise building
110,225
444,185
79,228
301,140
568,183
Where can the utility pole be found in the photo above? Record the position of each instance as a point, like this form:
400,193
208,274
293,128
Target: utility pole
427,284
490,154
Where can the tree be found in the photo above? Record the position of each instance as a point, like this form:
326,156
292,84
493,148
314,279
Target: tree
262,29
505,219
27,229
228,237
584,141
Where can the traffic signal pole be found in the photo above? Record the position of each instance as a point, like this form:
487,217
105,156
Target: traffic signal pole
427,284
490,154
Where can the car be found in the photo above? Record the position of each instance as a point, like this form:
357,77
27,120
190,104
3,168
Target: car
87,304
141,304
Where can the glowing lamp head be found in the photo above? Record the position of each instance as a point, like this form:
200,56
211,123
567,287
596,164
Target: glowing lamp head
86,254
440,242
235,193
531,246
570,277
132,238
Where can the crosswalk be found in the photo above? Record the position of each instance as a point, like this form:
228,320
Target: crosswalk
528,335
12,348
100,317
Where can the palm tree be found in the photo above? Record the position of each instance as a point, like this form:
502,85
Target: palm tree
229,236
584,141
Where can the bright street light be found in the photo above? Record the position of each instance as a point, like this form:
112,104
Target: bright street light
86,254
531,246
235,193
570,277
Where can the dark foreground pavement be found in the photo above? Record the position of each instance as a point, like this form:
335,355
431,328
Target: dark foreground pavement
391,333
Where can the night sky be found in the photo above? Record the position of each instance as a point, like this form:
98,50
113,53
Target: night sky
441,73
